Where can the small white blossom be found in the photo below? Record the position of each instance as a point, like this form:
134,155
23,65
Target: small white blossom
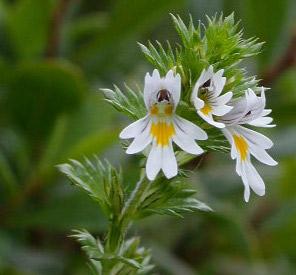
207,99
246,142
161,126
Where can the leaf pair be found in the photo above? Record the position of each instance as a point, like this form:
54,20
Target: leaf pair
131,259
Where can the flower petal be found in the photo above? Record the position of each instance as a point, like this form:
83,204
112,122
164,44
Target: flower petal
262,122
135,128
190,129
209,119
253,178
169,162
150,87
154,160
254,137
221,110
266,112
186,142
173,84
198,103
261,155
244,179
140,142
227,133
223,99
240,108
205,76
218,82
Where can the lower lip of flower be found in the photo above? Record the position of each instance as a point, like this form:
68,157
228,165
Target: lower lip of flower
162,131
206,109
241,146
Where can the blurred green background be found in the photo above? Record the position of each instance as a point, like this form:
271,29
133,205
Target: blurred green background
54,55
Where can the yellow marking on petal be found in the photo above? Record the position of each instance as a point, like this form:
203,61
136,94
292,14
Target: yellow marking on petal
241,146
206,109
162,132
154,110
168,109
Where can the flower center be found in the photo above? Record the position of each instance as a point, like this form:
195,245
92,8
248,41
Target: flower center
162,131
204,95
241,146
163,95
206,109
164,105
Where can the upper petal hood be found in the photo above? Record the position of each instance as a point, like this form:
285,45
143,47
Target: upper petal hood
245,109
155,83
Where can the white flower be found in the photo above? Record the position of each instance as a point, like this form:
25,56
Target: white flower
246,142
161,126
206,96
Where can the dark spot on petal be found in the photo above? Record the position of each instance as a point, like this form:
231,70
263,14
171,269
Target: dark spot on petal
163,95
206,84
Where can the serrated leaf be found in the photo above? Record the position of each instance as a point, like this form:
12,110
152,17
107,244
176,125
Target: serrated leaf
131,102
100,180
174,197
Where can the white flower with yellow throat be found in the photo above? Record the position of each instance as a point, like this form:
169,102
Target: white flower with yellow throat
245,142
161,126
207,99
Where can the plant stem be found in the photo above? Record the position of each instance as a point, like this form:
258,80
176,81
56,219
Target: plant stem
132,204
119,225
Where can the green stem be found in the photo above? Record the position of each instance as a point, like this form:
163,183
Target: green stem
119,225
133,203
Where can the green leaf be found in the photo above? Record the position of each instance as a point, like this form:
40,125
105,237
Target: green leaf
93,143
28,24
131,102
268,28
93,247
219,43
105,44
62,213
39,92
170,198
100,180
7,176
130,259
162,59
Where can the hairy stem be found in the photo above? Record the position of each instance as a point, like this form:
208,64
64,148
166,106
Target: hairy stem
119,225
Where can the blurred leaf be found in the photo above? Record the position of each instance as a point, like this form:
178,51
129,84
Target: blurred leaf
28,23
52,150
87,131
94,143
84,28
106,44
7,176
268,28
170,262
279,229
62,213
283,100
18,258
39,92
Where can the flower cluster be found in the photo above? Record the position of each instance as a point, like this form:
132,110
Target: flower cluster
162,126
